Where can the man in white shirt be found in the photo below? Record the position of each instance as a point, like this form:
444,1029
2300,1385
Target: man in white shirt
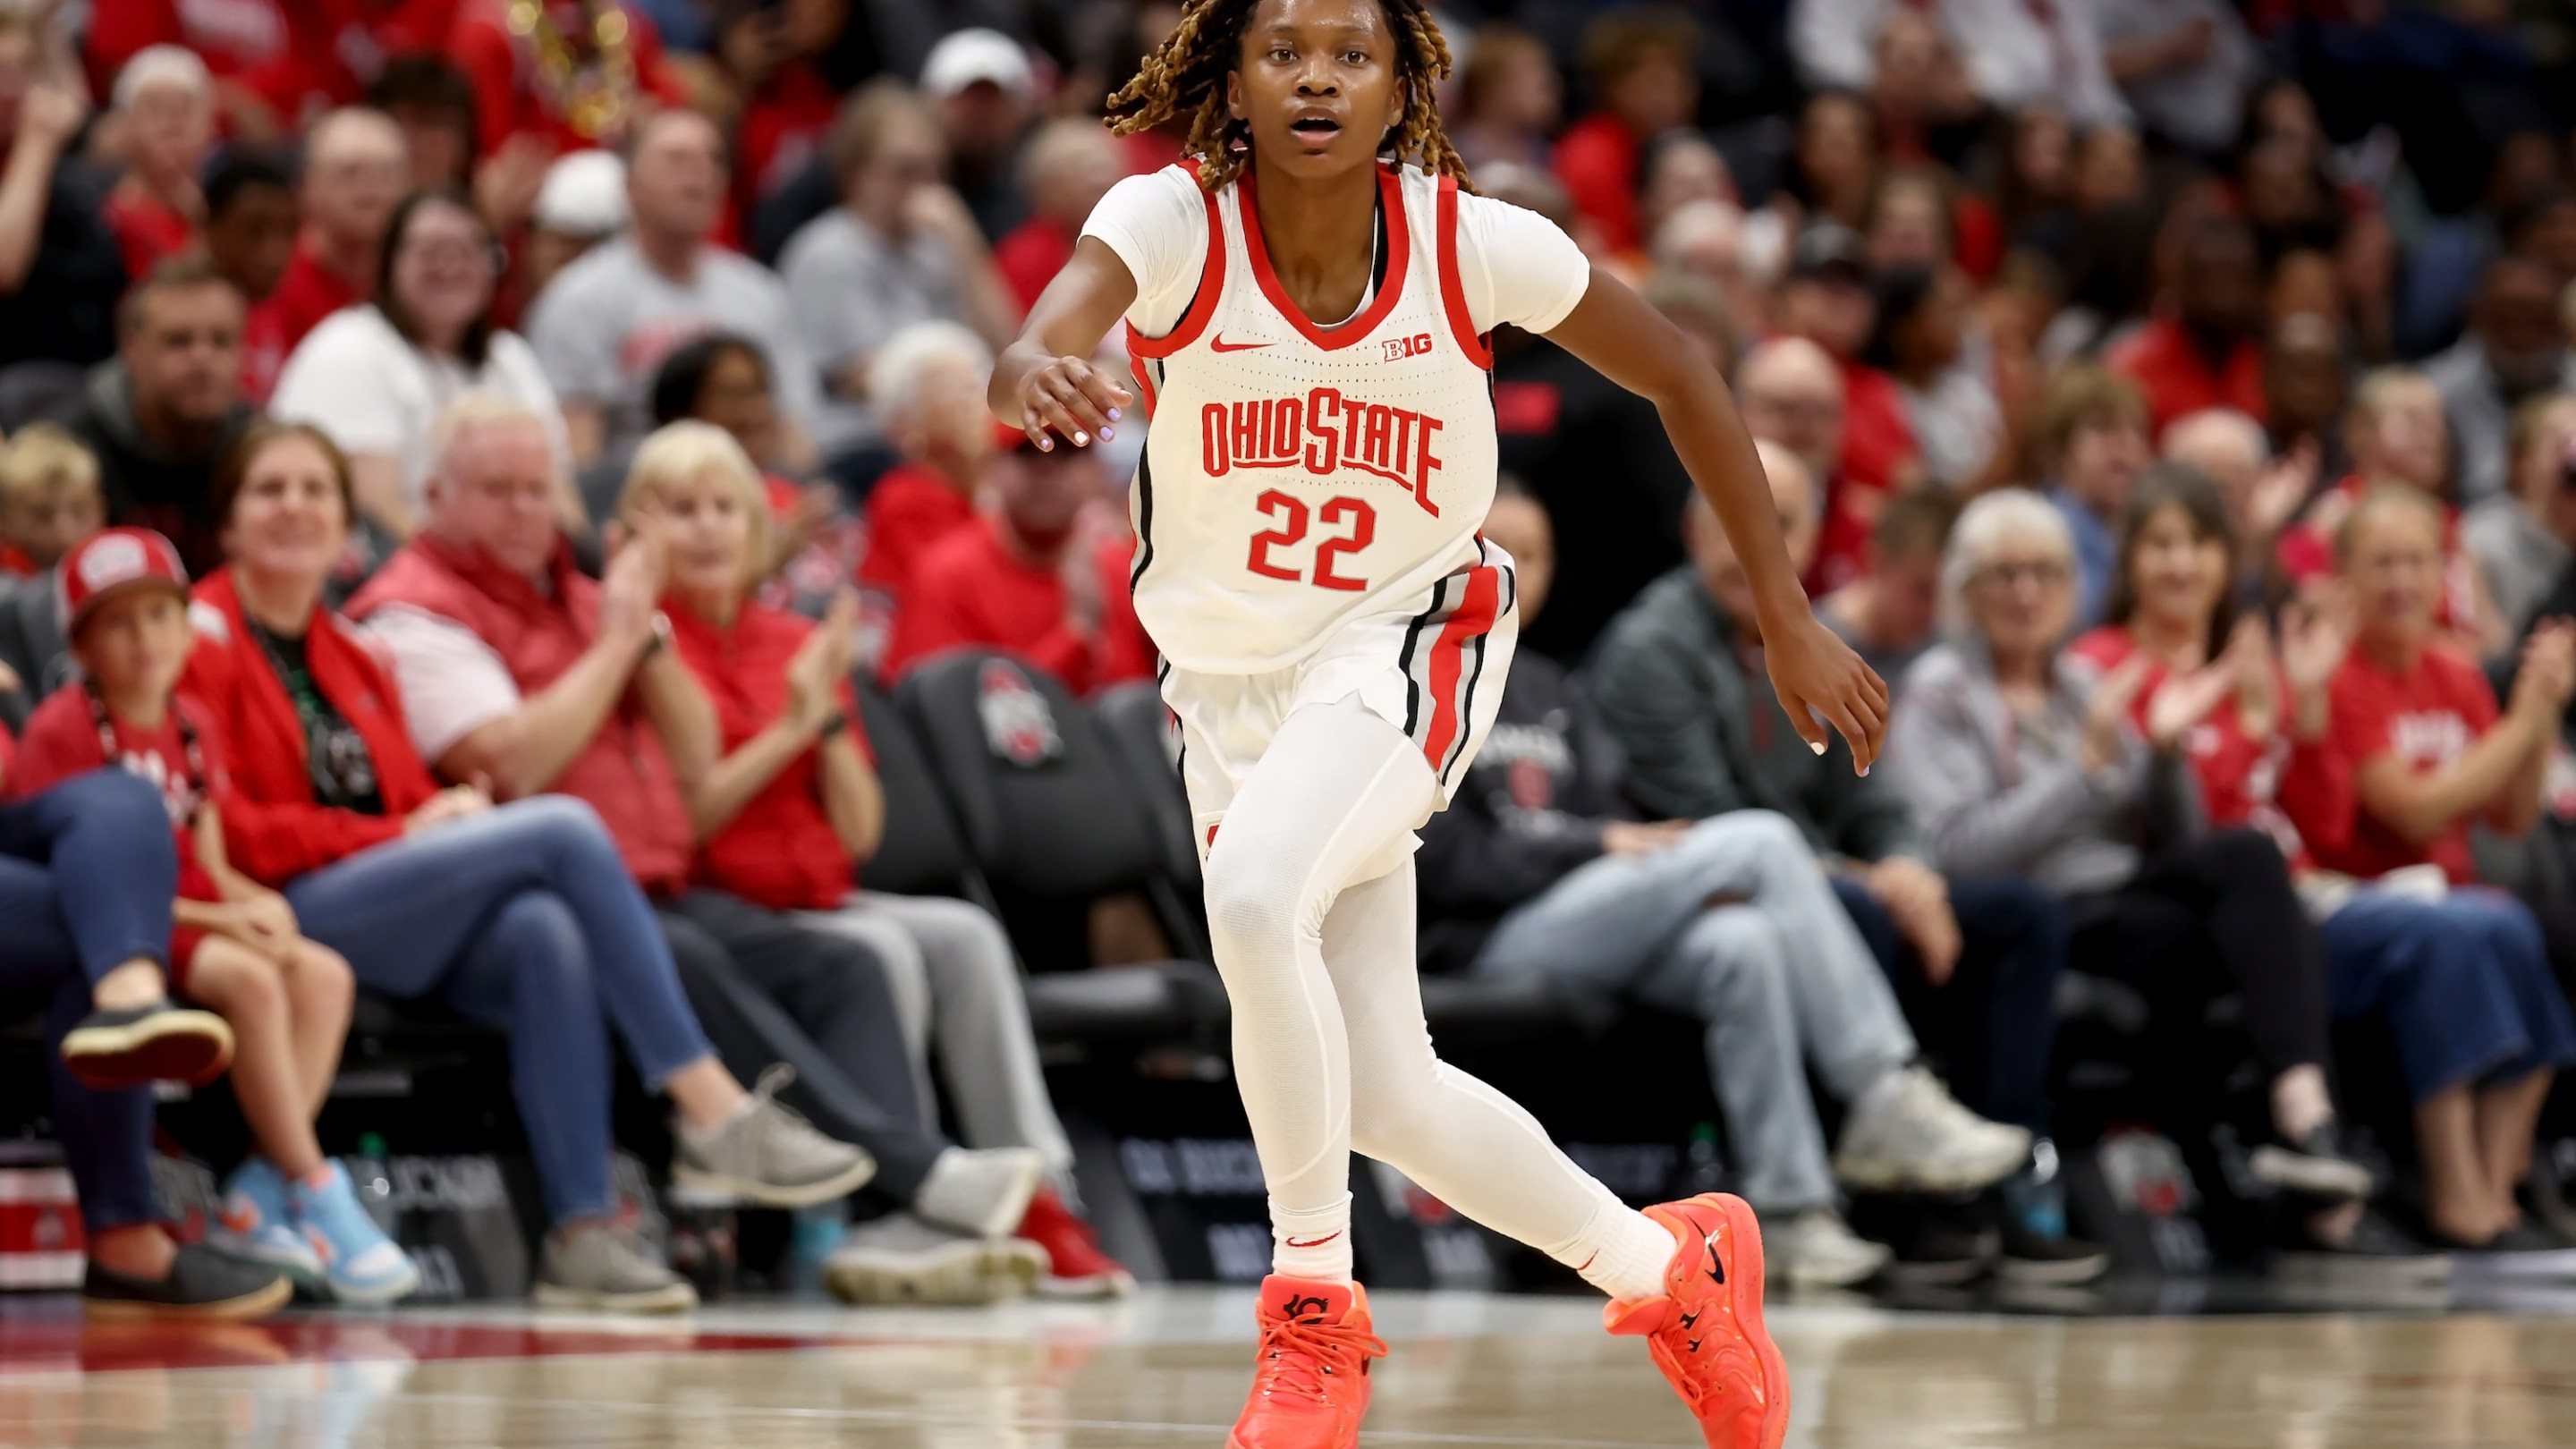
2015,51
603,326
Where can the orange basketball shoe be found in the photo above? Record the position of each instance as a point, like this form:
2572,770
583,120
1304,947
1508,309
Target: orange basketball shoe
1312,1386
1706,1331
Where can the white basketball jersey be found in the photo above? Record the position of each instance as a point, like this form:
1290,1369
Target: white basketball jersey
1297,476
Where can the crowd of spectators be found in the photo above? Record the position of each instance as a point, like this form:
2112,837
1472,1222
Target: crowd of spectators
539,413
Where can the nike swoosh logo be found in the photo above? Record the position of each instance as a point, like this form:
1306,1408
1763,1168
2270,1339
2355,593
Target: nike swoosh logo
1221,345
1716,1269
1317,1243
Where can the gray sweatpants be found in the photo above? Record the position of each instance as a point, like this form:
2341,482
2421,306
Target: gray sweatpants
957,992
1735,924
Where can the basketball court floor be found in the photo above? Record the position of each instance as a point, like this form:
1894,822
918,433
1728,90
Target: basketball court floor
1169,1367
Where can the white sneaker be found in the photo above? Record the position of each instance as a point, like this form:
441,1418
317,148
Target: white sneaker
1813,1249
1908,1134
982,1193
899,1258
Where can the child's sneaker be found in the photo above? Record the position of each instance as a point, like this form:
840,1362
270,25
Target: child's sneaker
1706,1332
1311,1387
261,1227
137,1046
361,1263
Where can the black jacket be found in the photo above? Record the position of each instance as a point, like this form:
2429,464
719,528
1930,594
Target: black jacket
1530,810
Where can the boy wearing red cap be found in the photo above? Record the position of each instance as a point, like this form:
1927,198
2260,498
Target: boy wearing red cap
236,949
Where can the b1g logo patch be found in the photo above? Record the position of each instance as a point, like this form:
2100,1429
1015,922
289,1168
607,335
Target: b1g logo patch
1400,348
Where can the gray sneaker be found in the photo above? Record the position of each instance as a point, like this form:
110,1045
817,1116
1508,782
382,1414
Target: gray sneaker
1814,1249
767,1155
606,1268
899,1258
1908,1134
982,1193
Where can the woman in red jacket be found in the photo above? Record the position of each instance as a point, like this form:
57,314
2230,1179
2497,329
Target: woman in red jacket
521,914
793,806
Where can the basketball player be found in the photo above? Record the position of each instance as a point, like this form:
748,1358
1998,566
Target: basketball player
1307,309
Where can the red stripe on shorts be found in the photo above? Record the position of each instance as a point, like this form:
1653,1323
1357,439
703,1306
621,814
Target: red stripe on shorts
1474,616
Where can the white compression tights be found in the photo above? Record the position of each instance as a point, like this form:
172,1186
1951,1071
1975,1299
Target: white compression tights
1310,903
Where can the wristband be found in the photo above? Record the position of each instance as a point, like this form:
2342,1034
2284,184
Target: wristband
661,639
833,724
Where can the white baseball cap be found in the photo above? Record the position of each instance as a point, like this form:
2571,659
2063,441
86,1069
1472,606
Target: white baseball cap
584,194
964,57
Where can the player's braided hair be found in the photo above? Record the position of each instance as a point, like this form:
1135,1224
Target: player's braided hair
1185,75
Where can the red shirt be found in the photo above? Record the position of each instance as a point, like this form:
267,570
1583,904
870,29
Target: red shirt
1031,255
306,294
264,349
63,741
510,99
1597,161
780,851
1878,451
911,509
2168,368
147,231
2427,717
300,56
782,127
2306,551
971,589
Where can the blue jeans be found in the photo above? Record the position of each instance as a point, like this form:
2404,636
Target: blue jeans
1994,1023
87,873
1734,924
524,918
2465,985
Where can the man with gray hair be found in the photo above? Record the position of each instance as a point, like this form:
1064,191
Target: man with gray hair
517,669
1678,681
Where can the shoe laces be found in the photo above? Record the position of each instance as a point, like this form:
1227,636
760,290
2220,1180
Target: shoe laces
772,1113
1298,1354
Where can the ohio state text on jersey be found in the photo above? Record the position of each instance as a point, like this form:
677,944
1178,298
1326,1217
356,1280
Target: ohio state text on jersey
1296,476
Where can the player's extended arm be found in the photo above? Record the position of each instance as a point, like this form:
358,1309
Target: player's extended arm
1045,380
1813,672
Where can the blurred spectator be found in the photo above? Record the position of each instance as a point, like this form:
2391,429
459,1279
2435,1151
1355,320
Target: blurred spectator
2522,537
1510,99
2092,442
1680,682
1833,167
603,326
165,111
792,805
1888,614
251,222
1070,164
2514,351
933,400
1920,341
1918,88
1642,61
374,376
1826,299
2020,764
1909,224
2203,353
1535,871
2262,493
982,94
2035,184
167,408
773,54
49,499
1031,578
575,73
1706,240
2397,434
901,248
815,544
61,269
433,102
355,172
2183,65
581,203
2306,382
1681,169
515,666
1792,394
2013,52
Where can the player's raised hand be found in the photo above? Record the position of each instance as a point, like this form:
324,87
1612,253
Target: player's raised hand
1073,399
1817,675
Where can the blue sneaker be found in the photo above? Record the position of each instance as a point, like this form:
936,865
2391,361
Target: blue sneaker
256,1217
362,1264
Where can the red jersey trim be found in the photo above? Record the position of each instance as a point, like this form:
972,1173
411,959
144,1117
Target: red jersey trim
1136,369
1453,292
1399,245
1203,305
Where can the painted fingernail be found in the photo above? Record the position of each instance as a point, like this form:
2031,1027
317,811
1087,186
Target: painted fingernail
1113,417
1816,745
1107,433
1046,445
1081,439
1864,772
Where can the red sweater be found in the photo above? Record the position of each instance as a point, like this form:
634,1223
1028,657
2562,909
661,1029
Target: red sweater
910,510
2427,717
780,851
973,590
273,829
